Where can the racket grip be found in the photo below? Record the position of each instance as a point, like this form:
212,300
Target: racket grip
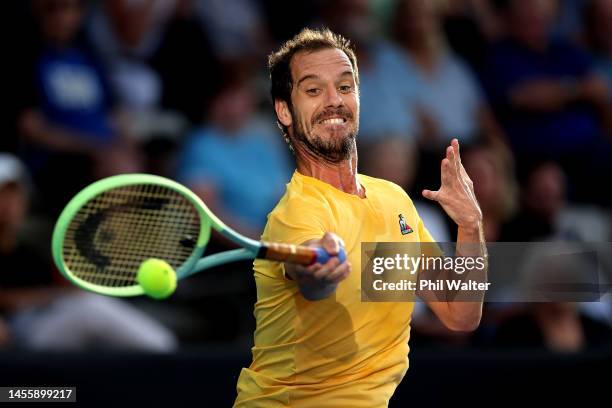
297,253
323,256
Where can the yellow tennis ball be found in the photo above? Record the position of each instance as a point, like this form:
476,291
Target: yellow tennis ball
157,278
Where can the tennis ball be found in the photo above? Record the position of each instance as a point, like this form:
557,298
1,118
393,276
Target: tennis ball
157,278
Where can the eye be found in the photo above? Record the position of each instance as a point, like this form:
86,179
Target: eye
345,88
313,91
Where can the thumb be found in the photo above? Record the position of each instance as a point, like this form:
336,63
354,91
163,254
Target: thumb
431,195
330,243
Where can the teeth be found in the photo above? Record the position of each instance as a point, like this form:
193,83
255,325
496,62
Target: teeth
334,121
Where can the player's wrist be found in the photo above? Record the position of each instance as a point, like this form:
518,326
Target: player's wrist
470,223
470,231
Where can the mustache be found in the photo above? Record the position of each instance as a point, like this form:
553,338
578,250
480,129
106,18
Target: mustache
333,113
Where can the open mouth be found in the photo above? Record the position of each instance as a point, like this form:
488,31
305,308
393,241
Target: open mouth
333,121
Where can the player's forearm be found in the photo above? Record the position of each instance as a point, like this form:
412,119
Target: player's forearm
466,315
471,240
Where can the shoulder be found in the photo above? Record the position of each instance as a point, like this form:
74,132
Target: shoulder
300,215
300,200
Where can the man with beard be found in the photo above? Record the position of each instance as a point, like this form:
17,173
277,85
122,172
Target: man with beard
316,343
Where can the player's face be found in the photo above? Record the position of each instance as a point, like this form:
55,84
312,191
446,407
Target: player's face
325,103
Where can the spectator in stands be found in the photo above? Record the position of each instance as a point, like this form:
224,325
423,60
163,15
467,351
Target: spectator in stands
470,25
159,66
44,315
450,100
237,28
491,168
543,198
186,63
240,195
549,97
70,131
598,27
126,34
131,37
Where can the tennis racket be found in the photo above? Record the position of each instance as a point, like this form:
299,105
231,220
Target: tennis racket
109,228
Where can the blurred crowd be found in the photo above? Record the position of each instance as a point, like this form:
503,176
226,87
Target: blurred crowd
180,88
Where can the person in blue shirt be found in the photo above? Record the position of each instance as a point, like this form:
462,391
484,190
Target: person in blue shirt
450,100
71,132
235,163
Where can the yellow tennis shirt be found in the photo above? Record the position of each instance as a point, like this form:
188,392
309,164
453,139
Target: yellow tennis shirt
339,351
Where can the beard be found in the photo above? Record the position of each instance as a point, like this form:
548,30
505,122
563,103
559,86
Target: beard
332,149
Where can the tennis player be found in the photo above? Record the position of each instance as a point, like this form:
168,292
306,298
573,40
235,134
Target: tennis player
316,343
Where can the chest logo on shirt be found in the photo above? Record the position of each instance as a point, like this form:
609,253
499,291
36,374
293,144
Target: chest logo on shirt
404,228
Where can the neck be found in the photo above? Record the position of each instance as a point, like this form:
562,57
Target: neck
341,175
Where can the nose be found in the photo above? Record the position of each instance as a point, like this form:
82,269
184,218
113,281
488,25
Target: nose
333,98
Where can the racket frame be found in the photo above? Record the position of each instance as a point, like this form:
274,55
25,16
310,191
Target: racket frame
207,220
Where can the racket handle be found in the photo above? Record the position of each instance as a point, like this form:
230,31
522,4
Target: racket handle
297,254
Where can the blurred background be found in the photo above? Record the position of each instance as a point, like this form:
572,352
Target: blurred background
179,88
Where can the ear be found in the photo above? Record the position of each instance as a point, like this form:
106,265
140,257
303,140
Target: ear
283,113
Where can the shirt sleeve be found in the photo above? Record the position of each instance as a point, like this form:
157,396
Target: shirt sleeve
431,247
295,221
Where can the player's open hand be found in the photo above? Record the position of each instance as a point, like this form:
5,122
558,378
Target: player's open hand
318,281
456,193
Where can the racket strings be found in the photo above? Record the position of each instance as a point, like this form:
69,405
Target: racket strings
113,233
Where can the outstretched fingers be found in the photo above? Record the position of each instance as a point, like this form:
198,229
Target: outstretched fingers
431,195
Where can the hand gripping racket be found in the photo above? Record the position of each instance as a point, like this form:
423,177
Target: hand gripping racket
108,229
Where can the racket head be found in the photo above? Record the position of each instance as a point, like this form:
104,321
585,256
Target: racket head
109,228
